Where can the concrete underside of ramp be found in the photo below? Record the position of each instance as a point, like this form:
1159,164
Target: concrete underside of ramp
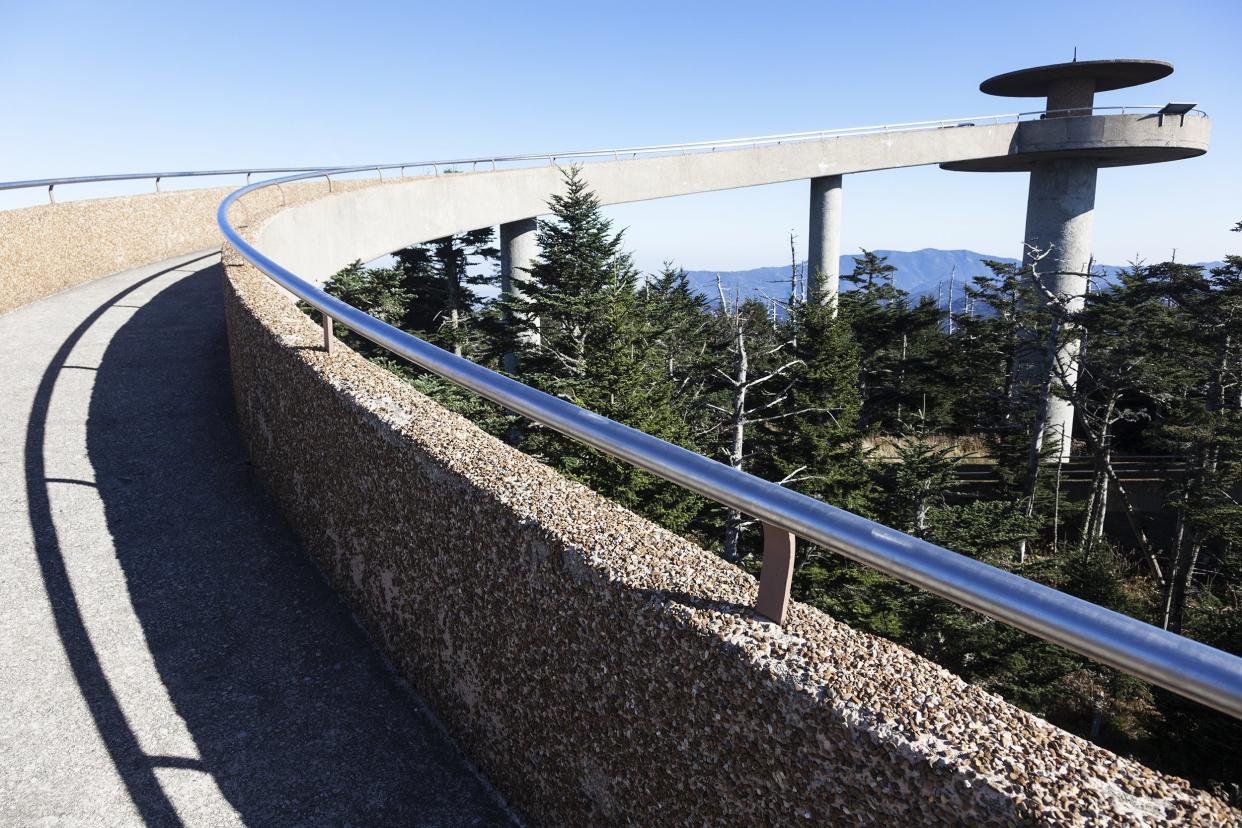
168,654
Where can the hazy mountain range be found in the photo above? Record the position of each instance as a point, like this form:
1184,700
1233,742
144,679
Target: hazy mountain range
921,272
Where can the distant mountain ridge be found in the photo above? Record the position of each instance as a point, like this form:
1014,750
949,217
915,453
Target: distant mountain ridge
920,272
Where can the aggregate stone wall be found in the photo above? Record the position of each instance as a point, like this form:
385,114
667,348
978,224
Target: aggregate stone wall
604,671
53,247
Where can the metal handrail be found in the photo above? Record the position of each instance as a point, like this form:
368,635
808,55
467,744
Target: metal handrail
51,183
1195,670
616,153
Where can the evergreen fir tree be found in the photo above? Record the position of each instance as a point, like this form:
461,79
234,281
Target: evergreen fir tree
442,277
381,292
581,260
891,333
594,350
818,446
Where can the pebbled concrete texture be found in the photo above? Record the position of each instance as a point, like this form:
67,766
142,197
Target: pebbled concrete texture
604,671
53,247
168,653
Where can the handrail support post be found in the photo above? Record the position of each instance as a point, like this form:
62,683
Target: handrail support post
328,338
776,577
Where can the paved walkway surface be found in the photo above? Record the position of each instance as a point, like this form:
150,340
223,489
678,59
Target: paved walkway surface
168,655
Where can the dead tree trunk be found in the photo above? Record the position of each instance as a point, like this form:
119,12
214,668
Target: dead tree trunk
447,253
1097,499
740,413
737,447
1036,446
952,274
1179,573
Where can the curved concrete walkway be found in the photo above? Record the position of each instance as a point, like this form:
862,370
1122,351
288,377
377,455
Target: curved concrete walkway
168,655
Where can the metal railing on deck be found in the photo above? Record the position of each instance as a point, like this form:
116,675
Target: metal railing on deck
1187,667
52,183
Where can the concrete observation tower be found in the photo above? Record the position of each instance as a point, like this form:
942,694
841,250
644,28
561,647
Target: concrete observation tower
1062,147
1063,150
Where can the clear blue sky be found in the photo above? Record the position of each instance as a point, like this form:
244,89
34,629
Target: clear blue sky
111,87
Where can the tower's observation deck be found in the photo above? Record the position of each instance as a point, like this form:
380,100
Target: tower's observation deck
1072,128
1107,140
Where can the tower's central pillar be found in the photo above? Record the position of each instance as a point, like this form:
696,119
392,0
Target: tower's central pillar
1057,256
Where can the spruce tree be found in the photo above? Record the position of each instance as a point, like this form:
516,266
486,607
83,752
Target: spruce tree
678,322
980,355
581,260
594,350
381,292
818,446
1204,421
892,333
442,277
678,318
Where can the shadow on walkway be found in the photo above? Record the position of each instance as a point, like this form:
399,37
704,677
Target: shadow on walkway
295,715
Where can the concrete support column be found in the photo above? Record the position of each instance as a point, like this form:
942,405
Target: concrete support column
519,246
824,240
1059,217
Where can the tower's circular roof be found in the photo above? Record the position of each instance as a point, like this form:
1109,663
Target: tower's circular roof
1108,74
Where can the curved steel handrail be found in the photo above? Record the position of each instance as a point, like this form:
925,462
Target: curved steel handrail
88,179
1188,667
51,183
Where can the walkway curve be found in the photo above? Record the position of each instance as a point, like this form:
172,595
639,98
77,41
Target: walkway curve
168,655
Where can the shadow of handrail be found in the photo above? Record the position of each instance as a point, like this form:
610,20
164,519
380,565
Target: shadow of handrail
293,714
136,770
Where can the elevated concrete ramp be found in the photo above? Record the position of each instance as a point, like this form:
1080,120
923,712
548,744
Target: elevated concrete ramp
168,655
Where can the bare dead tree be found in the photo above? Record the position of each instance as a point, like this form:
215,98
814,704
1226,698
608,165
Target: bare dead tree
742,411
1050,357
952,273
1097,432
797,277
